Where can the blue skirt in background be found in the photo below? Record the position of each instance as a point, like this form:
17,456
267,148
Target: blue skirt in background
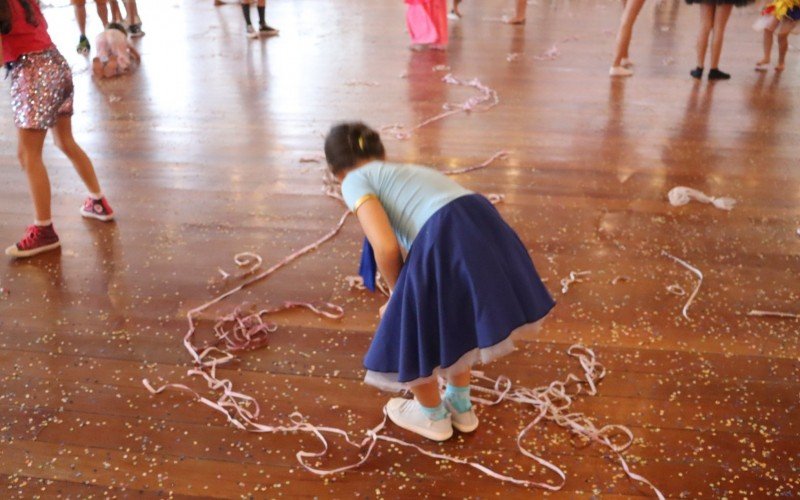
467,284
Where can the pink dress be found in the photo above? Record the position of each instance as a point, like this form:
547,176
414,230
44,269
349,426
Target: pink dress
427,21
113,44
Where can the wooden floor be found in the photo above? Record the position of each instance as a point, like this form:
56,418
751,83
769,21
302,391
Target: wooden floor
200,150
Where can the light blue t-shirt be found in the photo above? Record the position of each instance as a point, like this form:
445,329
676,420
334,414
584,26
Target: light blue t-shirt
410,194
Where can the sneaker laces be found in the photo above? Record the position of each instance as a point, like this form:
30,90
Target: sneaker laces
31,235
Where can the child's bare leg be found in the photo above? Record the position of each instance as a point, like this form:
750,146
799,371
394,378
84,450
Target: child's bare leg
768,34
783,48
459,379
31,143
132,11
519,14
721,15
629,15
427,394
116,14
65,141
706,25
102,11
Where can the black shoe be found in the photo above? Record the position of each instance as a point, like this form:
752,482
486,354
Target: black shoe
716,74
697,73
136,30
83,45
266,30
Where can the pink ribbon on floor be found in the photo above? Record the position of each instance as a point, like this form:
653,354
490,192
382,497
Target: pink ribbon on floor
484,101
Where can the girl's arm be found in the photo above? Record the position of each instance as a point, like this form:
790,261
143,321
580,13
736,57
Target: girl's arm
384,243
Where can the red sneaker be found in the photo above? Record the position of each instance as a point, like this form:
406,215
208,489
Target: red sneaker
38,239
97,209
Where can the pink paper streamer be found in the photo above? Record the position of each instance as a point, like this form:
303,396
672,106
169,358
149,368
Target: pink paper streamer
484,101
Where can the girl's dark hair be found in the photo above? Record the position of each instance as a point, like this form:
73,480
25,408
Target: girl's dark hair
118,27
348,143
5,15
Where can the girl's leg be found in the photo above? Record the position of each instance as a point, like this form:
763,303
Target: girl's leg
706,25
783,48
629,15
64,140
519,14
132,10
31,143
80,15
768,35
116,14
721,15
102,12
427,394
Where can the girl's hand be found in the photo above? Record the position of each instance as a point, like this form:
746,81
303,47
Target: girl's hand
382,310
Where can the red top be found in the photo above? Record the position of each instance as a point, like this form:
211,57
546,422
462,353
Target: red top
25,38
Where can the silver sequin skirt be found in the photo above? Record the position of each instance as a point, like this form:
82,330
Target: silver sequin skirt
41,89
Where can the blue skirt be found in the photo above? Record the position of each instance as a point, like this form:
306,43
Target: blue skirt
467,284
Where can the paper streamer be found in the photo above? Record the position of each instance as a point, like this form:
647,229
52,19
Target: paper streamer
682,195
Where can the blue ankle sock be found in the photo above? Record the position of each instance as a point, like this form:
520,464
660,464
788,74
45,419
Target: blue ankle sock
458,397
435,413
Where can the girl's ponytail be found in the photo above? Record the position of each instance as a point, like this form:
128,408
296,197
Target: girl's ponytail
349,143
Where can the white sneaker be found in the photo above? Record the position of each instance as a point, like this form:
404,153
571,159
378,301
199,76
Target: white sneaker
620,71
408,414
465,422
250,32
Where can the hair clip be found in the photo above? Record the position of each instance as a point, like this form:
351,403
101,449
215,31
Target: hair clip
361,142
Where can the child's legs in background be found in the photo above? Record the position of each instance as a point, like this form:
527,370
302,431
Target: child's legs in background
65,141
116,14
31,143
706,25
132,11
629,15
80,15
783,48
721,15
768,35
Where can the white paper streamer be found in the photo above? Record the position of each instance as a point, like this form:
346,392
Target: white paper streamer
682,195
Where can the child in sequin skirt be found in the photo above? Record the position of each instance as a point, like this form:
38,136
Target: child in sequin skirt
41,99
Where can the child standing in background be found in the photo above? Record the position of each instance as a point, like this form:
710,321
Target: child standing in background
779,19
41,99
427,23
263,28
461,295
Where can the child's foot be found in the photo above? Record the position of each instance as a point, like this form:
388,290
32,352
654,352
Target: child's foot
620,71
408,414
697,73
626,63
266,30
465,421
454,15
780,67
514,20
250,32
762,65
716,74
136,30
83,45
97,209
37,239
